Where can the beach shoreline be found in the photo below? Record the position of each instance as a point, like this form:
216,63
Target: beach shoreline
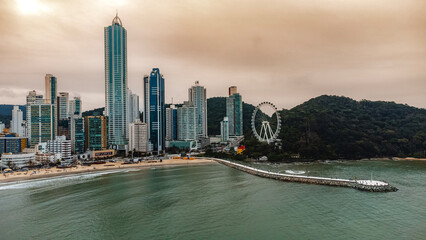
56,172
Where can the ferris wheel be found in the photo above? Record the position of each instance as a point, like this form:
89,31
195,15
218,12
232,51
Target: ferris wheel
266,122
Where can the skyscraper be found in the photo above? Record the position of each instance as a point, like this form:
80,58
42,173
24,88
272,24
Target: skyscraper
155,112
138,137
32,97
62,105
133,107
187,118
74,107
76,129
171,123
115,37
51,88
16,125
224,129
95,133
41,122
234,112
197,97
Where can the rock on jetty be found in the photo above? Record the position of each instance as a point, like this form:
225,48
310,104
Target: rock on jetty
363,185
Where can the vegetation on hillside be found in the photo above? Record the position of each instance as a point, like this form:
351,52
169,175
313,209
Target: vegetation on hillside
94,112
216,110
332,127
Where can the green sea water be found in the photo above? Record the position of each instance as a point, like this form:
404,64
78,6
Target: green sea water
218,202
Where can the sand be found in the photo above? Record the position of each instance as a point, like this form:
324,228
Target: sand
53,172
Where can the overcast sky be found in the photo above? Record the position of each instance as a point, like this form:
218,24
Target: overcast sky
284,51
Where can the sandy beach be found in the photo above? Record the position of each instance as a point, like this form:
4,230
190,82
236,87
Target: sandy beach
54,171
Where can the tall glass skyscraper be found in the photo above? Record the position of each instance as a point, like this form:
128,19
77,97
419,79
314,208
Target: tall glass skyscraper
42,122
51,87
77,134
234,112
155,111
62,105
197,97
116,82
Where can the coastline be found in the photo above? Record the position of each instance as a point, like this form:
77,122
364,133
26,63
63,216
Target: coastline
55,172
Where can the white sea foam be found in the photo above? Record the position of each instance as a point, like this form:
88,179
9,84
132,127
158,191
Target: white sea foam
294,172
58,181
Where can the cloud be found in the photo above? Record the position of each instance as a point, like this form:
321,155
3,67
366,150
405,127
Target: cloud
281,51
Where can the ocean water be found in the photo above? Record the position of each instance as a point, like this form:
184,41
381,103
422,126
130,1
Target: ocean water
217,202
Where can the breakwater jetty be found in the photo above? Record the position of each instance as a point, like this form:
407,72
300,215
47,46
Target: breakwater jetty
363,185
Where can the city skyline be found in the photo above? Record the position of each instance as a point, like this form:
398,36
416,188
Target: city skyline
358,49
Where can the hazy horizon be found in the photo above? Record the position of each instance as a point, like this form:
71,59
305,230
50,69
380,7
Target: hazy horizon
285,51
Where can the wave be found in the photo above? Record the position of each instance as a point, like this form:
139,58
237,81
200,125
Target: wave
294,172
58,181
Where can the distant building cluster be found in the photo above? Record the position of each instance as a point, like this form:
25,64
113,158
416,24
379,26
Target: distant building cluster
54,128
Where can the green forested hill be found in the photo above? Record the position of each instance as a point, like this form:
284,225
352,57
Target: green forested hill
216,110
330,127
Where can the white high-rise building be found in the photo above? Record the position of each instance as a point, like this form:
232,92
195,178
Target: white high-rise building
187,122
60,145
224,130
32,97
63,102
133,105
171,123
138,137
198,98
74,107
16,125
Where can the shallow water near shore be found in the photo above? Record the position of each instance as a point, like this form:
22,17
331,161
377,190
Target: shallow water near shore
217,202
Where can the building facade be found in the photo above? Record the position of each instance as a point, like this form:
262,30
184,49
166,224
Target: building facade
74,107
224,130
17,160
42,122
13,144
60,145
234,112
17,123
77,134
96,132
133,107
32,97
155,112
198,98
171,123
187,118
62,105
51,87
116,82
138,137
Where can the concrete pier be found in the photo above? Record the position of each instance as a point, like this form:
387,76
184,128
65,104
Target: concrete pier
363,185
